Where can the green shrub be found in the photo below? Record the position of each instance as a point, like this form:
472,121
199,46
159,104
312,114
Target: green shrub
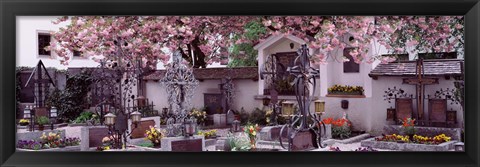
84,117
42,120
257,116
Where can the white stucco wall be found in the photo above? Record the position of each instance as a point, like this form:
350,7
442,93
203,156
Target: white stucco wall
245,90
27,28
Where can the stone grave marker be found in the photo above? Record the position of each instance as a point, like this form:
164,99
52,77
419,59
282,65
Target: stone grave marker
404,108
142,126
437,111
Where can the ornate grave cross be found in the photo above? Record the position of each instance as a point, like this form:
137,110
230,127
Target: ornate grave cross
309,124
180,85
273,71
42,83
420,81
227,89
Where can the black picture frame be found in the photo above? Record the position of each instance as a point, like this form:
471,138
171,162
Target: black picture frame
11,8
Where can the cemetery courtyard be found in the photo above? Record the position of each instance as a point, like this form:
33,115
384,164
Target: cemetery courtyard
243,83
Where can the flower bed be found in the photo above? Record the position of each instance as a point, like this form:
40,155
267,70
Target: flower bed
416,139
52,142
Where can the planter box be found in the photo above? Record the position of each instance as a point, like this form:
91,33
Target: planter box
408,146
345,96
455,133
345,93
69,148
35,135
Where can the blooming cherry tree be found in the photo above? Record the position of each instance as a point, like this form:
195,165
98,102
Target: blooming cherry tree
201,39
206,39
396,33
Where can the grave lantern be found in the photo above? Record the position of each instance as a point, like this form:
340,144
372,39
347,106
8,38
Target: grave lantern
110,119
287,108
136,117
53,116
236,126
459,146
26,113
266,101
53,112
319,106
189,128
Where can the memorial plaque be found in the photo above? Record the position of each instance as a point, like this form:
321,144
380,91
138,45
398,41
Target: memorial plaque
303,141
96,135
390,114
404,108
452,117
213,102
187,145
41,111
143,126
437,111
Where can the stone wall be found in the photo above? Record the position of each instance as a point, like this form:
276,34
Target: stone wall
36,134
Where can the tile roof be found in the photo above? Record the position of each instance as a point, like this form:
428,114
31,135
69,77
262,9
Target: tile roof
213,73
444,67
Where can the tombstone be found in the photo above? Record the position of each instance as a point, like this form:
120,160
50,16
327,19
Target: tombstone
219,120
195,143
403,109
230,117
213,103
437,111
142,126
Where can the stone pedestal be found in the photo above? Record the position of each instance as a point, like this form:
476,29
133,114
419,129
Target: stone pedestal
195,143
219,120
91,136
303,141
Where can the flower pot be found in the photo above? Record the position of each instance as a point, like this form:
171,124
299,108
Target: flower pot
41,127
23,124
253,143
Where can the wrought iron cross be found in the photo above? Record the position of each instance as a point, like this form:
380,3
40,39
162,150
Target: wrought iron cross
304,78
180,85
420,81
273,71
42,82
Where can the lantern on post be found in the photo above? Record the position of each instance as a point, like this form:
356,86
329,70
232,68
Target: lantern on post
53,116
27,113
235,126
319,107
110,119
287,108
136,117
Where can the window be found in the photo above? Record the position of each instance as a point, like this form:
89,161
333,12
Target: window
77,53
43,41
399,57
440,55
350,66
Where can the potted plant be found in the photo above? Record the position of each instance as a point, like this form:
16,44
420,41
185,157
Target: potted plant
41,121
408,126
154,135
24,122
